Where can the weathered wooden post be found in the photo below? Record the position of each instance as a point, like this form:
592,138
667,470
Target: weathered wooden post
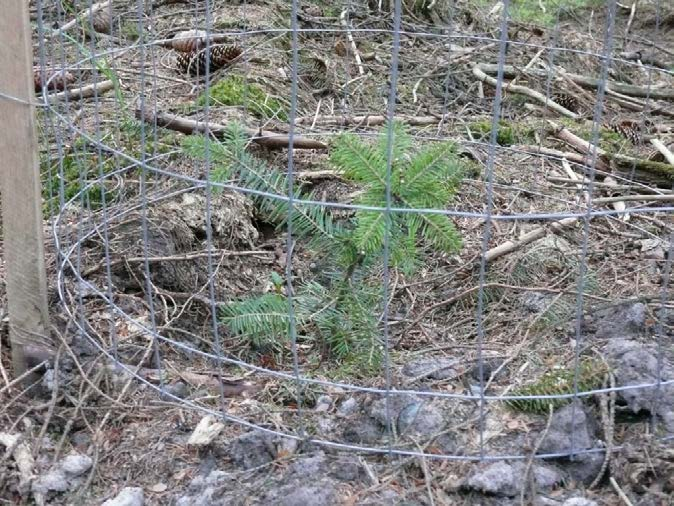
22,234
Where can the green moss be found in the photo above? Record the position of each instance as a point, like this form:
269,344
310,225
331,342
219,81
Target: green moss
234,90
610,141
507,135
529,11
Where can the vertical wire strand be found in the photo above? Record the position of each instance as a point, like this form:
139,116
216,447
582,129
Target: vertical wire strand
144,201
660,334
292,327
486,236
590,174
98,134
386,276
217,343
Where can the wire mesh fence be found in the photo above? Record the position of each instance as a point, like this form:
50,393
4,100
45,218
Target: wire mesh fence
407,228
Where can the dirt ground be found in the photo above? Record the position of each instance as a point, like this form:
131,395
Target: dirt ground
133,381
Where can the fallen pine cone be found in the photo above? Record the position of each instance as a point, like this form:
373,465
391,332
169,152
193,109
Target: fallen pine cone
54,80
189,41
194,63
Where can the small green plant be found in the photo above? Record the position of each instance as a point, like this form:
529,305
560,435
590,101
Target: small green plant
232,160
427,179
335,312
591,374
234,90
339,319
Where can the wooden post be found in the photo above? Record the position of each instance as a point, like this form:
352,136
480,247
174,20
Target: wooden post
22,234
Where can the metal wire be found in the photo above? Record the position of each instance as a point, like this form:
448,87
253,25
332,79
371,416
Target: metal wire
75,223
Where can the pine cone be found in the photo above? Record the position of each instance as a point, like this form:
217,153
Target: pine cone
55,80
313,72
567,101
194,63
629,129
189,41
102,19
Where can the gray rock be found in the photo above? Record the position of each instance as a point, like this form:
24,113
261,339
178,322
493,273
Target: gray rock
54,480
348,407
209,490
178,389
253,449
75,465
380,411
435,368
320,493
579,501
363,431
323,403
622,321
420,418
636,364
129,496
505,479
536,302
307,467
584,467
571,429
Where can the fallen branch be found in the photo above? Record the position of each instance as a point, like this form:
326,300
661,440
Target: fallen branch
537,233
587,82
662,172
632,198
608,186
664,150
188,126
88,91
523,90
368,120
473,289
576,158
87,13
174,258
352,43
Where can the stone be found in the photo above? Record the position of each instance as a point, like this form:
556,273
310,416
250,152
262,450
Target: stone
435,368
634,363
348,407
253,449
579,501
75,465
570,429
420,418
129,496
622,321
321,493
504,479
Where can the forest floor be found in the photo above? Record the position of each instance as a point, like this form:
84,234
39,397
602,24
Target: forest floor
144,260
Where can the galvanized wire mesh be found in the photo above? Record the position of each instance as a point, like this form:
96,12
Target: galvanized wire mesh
115,178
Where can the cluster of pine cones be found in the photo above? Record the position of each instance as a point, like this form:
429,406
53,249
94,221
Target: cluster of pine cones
216,57
631,130
195,59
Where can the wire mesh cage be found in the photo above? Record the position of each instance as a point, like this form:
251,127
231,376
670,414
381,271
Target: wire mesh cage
438,230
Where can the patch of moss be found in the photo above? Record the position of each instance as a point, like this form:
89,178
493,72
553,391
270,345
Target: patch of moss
610,141
508,133
529,11
234,90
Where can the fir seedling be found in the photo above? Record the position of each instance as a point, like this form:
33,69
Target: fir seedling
561,381
427,179
233,161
